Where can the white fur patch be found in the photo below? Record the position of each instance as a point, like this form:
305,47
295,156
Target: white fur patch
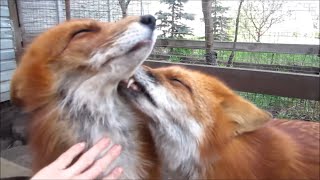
177,134
109,117
135,33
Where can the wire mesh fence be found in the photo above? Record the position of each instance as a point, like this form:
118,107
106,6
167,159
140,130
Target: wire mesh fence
187,22
302,63
36,16
106,10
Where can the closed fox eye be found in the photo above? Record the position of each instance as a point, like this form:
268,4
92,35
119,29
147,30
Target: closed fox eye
82,31
176,81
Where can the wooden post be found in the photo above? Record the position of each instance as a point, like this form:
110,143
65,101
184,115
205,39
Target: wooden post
68,13
59,11
141,8
14,17
109,11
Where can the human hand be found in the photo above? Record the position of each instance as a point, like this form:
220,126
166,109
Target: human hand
86,167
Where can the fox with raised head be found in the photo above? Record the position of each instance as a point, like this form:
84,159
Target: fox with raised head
67,80
203,130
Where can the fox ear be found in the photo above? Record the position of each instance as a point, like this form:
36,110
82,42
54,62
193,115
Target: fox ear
247,116
14,93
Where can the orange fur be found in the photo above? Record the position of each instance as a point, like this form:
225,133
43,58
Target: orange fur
34,87
239,140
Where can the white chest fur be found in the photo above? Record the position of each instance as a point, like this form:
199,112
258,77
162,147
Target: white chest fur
97,113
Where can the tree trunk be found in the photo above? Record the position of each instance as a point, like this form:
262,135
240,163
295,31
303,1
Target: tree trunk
216,19
124,13
172,21
235,35
124,7
259,37
208,22
172,32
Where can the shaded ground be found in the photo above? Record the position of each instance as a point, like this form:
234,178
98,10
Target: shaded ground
19,155
15,157
15,162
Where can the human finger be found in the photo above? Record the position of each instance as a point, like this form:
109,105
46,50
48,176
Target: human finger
100,165
115,174
88,158
66,158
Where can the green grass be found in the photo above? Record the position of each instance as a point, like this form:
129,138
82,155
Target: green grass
178,51
255,58
174,59
287,108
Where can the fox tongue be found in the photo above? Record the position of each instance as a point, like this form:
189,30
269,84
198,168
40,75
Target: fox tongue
135,87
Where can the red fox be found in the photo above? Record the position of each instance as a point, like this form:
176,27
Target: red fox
67,81
203,130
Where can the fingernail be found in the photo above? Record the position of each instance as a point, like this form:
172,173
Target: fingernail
105,141
118,171
82,144
117,149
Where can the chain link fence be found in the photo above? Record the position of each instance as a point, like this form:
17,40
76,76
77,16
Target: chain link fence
37,16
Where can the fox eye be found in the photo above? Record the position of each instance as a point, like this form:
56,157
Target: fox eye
179,82
82,31
176,80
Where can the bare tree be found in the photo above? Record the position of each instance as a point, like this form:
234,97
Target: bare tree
124,7
260,15
208,22
235,34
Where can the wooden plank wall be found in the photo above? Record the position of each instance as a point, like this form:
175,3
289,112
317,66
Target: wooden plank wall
7,51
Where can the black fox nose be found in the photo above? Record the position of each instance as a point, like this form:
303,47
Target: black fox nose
148,20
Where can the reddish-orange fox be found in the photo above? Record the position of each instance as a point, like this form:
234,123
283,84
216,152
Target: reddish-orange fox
68,81
203,130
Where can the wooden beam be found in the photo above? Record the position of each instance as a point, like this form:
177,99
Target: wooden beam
14,16
241,46
293,85
201,60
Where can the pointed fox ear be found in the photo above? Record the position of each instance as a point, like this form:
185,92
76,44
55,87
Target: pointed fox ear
14,94
247,116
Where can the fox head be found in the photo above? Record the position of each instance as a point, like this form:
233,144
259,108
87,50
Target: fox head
191,110
78,53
